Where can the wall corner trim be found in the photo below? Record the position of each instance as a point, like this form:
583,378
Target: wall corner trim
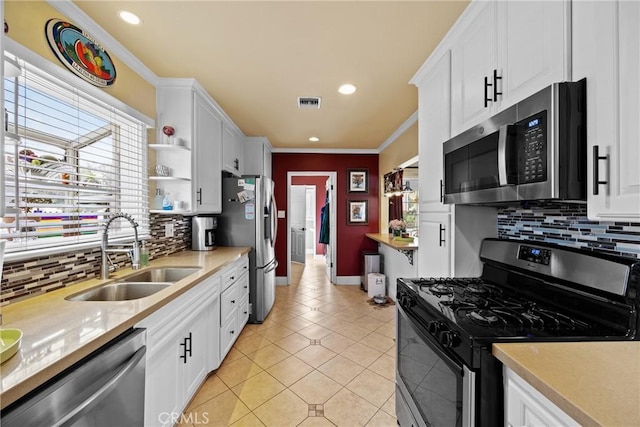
113,46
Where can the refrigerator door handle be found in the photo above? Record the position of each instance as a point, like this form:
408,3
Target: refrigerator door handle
274,219
271,267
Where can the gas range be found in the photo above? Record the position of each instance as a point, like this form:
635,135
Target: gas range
527,292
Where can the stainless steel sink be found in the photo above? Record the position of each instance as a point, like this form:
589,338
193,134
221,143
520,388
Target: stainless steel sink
119,292
161,274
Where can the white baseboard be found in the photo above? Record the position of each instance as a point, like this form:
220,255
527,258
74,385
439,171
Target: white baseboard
348,280
282,281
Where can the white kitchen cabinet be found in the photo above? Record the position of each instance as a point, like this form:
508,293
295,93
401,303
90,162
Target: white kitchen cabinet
434,128
179,339
257,156
195,162
243,297
503,52
527,407
232,151
235,293
606,50
434,254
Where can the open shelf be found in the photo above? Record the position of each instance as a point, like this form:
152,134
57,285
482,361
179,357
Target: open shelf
168,147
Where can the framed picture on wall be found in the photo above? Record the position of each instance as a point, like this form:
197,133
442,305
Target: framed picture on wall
358,180
357,212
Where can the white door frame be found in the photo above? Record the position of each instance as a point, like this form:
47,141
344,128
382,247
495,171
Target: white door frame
332,218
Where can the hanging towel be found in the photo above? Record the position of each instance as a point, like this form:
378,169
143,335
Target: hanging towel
324,222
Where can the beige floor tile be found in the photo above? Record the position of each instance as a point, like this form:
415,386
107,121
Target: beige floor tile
384,313
348,315
211,388
315,388
392,352
372,387
233,354
289,370
336,342
281,316
341,369
239,370
390,405
296,323
251,343
257,389
388,329
315,316
382,419
268,356
316,422
346,408
275,333
314,332
378,342
249,420
354,332
222,410
315,355
361,354
370,323
286,409
293,343
385,366
251,329
335,323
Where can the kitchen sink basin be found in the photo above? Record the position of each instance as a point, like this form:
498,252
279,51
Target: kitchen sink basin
119,291
161,274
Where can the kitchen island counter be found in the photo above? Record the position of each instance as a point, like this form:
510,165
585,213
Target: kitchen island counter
595,383
58,333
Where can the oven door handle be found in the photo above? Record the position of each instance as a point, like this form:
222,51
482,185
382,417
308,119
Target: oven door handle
505,154
433,344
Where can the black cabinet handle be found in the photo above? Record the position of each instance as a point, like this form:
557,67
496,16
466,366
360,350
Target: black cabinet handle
199,196
232,332
232,278
186,345
495,85
236,164
441,237
486,92
441,191
596,169
233,301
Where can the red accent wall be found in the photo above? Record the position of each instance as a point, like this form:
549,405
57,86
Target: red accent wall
351,238
319,183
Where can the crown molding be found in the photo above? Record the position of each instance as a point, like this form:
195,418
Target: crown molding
401,129
113,46
326,150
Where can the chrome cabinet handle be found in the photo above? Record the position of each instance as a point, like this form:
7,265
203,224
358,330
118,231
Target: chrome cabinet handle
596,169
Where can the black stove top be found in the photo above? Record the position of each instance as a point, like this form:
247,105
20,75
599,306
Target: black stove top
481,309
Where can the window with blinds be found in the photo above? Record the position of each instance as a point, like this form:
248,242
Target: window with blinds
70,162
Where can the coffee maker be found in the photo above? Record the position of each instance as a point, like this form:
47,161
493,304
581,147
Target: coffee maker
203,236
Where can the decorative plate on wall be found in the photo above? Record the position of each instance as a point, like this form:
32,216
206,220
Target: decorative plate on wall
80,53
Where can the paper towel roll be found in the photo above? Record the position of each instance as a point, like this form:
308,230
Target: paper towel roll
376,284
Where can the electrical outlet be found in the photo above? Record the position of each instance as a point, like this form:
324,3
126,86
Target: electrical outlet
168,230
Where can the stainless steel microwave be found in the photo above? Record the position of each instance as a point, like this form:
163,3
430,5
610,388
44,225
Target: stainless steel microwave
534,150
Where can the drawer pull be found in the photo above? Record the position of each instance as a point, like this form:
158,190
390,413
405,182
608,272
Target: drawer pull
231,278
233,301
232,332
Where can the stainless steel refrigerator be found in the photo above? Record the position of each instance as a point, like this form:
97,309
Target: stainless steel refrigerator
249,218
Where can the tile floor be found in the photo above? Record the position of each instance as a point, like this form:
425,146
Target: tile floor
323,357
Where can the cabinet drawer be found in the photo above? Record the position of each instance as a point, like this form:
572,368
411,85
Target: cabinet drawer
243,265
228,302
243,285
243,312
229,276
228,334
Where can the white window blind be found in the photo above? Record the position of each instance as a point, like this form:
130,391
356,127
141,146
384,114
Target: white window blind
75,161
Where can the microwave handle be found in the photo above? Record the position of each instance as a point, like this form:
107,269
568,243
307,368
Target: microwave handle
504,154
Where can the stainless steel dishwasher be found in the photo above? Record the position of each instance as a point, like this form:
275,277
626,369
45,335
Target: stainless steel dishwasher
104,389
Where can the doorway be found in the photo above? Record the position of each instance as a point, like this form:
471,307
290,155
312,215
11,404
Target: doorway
328,192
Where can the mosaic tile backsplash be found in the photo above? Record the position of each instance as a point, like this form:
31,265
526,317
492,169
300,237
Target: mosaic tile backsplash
25,279
568,225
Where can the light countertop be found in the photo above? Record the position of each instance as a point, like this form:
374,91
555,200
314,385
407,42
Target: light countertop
387,239
595,383
58,333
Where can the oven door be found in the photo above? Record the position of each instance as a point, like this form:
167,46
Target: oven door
438,390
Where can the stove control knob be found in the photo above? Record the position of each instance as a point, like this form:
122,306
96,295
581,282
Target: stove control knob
434,327
449,339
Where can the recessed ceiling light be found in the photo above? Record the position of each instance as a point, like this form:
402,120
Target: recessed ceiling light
347,89
314,139
129,17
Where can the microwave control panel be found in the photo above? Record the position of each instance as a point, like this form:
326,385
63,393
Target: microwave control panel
533,154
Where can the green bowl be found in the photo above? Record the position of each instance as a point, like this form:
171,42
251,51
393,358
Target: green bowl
10,343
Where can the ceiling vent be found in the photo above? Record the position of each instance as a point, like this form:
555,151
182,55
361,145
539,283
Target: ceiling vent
309,102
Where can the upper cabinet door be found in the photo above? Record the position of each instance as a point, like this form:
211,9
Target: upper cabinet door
434,128
207,154
533,47
232,152
473,59
606,50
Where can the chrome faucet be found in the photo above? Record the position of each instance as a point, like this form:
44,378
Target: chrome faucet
134,253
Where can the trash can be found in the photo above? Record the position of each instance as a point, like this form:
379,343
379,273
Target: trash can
377,285
370,264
